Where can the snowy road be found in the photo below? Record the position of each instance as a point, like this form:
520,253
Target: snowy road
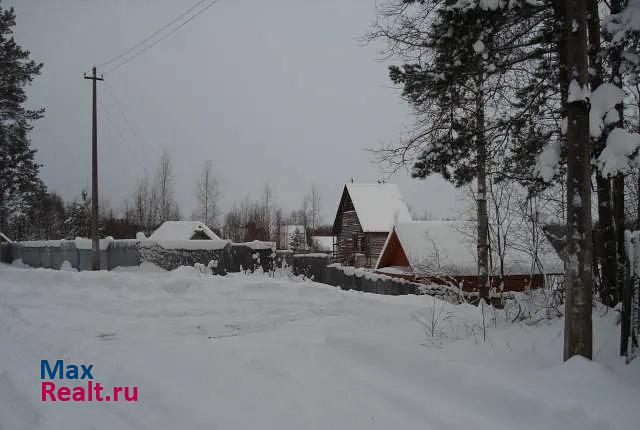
243,352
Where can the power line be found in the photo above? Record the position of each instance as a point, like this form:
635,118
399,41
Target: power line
146,146
125,117
123,141
146,48
106,63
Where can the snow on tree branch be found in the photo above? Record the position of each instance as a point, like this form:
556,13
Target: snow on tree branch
620,152
603,102
548,161
620,25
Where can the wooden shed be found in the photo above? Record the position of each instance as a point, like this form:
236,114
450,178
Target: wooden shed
183,230
366,214
444,252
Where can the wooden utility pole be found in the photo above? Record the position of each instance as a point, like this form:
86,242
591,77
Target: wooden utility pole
94,174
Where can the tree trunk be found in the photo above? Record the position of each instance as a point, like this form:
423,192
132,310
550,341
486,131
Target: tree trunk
483,216
578,325
605,229
607,243
623,288
638,204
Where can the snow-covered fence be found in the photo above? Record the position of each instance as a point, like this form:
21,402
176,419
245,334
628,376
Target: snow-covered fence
283,258
219,255
632,240
252,256
318,268
6,252
170,256
51,254
350,278
312,266
122,252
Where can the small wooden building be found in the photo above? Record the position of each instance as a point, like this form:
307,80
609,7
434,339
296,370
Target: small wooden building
444,252
183,230
366,214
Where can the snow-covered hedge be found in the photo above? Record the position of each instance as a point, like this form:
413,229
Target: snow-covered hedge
170,258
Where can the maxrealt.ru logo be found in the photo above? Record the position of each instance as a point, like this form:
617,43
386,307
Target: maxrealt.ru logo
92,391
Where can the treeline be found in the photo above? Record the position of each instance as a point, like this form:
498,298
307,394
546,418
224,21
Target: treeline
264,219
152,202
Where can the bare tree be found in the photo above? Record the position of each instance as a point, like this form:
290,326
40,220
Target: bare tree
252,220
277,232
267,209
144,205
500,197
232,228
208,194
314,207
163,187
304,212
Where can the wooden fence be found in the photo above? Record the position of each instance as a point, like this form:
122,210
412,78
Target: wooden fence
319,268
227,257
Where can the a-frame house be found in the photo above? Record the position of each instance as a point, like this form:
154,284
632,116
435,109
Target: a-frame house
366,214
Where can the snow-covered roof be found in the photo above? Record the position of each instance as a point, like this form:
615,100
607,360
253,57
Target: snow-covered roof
323,243
379,206
4,238
182,230
257,244
449,247
193,244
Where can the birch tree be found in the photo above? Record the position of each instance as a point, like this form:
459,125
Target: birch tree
167,209
208,195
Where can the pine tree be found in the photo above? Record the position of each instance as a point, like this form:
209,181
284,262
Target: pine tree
296,241
578,326
19,181
78,222
458,87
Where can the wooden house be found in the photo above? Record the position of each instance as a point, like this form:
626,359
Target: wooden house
366,214
444,252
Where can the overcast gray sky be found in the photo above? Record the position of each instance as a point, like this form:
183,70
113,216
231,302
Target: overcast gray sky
280,92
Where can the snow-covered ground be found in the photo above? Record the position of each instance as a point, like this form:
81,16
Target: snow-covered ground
244,352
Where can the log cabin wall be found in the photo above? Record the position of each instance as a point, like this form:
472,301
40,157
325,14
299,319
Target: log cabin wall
349,236
374,244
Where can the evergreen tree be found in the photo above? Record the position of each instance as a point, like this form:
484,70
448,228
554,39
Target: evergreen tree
19,181
78,222
458,87
296,241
